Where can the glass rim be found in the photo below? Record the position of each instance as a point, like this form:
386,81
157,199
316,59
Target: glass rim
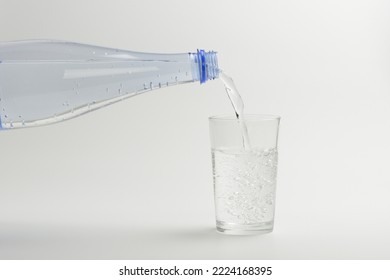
245,117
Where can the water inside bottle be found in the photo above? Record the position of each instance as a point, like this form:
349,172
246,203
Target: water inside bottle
238,106
45,81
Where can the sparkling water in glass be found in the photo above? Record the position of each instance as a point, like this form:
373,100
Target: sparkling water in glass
244,177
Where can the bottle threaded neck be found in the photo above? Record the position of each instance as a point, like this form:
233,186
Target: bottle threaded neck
207,65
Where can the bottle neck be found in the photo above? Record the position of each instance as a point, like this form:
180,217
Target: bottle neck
204,65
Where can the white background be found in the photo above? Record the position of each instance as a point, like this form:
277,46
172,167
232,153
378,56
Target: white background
133,181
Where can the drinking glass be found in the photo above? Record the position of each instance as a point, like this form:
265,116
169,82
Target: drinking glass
245,158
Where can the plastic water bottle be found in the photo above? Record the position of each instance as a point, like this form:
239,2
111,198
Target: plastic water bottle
44,82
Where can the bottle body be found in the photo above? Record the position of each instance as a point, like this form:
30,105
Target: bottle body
44,82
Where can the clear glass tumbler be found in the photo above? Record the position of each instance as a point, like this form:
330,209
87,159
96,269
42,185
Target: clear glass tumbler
244,172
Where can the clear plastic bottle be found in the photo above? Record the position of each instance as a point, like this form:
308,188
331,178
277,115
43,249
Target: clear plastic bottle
44,82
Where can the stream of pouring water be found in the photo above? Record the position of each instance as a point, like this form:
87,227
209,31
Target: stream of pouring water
238,106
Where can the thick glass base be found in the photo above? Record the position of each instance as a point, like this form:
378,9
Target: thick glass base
244,229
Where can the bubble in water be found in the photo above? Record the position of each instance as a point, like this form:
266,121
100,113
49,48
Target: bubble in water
242,195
